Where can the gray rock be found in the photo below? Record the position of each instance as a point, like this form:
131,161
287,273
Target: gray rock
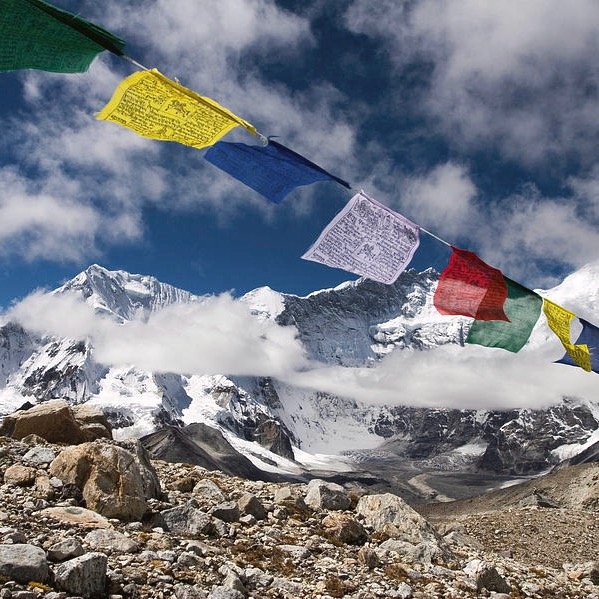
188,520
403,591
232,581
12,535
23,563
224,593
250,505
210,491
322,495
110,541
536,499
185,591
39,455
84,575
295,551
392,515
426,552
227,512
486,576
65,549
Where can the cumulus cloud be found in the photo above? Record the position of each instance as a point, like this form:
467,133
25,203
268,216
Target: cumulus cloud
442,198
516,75
217,335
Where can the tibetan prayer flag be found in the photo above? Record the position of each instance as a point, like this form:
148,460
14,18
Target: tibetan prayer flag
368,239
470,287
273,170
589,338
37,35
522,307
589,357
559,320
153,106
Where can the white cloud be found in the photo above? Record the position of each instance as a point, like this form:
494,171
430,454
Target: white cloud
43,221
520,75
442,199
218,335
469,377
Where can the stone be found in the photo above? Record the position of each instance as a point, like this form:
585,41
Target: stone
76,515
227,512
536,499
39,455
322,495
51,420
232,581
93,422
64,550
210,491
187,520
109,477
427,552
345,528
185,591
403,591
250,505
486,576
390,514
12,535
221,592
84,575
295,551
369,558
23,563
20,476
110,541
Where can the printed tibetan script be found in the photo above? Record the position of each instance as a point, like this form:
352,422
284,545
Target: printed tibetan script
368,239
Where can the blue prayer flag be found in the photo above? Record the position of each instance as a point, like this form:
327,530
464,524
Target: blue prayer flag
273,170
589,336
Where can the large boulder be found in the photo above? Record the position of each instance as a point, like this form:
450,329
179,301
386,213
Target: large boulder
322,495
84,576
56,422
391,515
114,482
23,563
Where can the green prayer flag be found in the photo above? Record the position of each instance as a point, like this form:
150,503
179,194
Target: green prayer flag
523,307
37,35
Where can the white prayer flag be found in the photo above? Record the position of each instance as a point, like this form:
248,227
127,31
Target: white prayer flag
368,239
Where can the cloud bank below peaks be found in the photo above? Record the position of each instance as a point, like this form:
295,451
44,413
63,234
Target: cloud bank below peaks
219,335
215,336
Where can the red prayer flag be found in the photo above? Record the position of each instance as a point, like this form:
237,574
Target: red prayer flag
470,287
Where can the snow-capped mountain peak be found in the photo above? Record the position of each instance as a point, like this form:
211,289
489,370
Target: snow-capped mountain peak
123,295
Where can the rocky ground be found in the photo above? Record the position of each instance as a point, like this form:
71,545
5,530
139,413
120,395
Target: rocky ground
100,519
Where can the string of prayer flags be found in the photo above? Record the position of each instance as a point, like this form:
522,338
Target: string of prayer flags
368,239
153,106
559,320
37,35
470,287
273,170
523,308
589,339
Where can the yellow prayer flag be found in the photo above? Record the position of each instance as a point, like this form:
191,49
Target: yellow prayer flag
153,106
559,320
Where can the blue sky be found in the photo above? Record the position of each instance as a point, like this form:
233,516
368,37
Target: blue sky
477,120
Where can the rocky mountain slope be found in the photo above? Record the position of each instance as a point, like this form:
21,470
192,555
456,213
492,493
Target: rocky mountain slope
100,520
273,423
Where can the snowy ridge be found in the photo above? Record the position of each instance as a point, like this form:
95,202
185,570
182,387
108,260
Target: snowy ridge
354,324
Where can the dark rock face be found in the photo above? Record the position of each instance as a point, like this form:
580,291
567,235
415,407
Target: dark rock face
201,445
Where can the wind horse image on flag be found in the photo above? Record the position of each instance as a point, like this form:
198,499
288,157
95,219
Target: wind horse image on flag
523,308
368,239
153,106
37,35
470,287
273,170
559,320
